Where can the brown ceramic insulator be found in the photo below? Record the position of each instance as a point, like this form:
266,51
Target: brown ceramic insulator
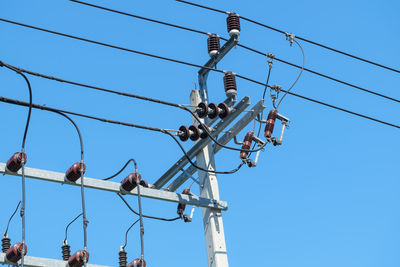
74,172
246,144
76,260
213,110
184,133
130,182
203,133
15,162
137,263
182,207
144,183
66,251
233,23
195,133
224,110
202,110
230,84
123,259
213,44
269,127
5,244
13,254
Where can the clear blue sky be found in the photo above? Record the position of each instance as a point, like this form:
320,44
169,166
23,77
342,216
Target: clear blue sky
327,197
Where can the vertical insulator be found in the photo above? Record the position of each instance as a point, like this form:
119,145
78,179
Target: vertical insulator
246,144
194,133
76,260
66,250
181,207
123,259
213,110
184,133
130,182
74,172
13,254
224,110
230,84
15,162
202,110
213,44
269,127
137,263
5,243
203,133
233,24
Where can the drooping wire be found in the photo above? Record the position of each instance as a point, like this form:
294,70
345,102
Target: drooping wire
126,233
242,46
146,216
9,220
298,37
123,168
66,228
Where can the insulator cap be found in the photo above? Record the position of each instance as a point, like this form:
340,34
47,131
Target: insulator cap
233,24
137,263
185,133
5,243
74,172
66,251
269,127
246,144
76,260
230,84
123,259
203,133
213,44
202,110
224,110
182,207
213,110
15,162
194,133
130,182
13,254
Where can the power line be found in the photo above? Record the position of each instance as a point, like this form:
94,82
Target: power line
199,66
270,55
298,37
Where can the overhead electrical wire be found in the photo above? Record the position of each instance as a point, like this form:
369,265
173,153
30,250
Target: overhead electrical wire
298,37
9,220
126,233
212,69
118,172
66,228
269,55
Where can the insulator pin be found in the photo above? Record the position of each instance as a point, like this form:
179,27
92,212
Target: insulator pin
5,243
131,181
76,260
269,127
13,254
246,144
230,84
137,263
233,24
213,44
74,172
123,259
15,162
182,207
66,250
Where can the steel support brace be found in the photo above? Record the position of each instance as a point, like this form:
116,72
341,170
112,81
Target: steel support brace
41,262
58,177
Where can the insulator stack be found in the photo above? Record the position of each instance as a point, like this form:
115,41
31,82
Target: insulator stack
15,162
131,181
137,263
123,259
269,127
74,172
213,44
233,24
5,243
76,260
230,84
212,110
182,207
13,254
66,250
246,144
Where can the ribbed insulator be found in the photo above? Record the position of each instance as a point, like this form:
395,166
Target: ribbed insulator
66,251
123,259
233,24
230,84
5,244
213,44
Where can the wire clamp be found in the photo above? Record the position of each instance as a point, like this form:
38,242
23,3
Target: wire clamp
290,37
270,55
